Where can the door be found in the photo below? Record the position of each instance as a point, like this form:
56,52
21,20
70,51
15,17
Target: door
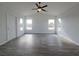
11,27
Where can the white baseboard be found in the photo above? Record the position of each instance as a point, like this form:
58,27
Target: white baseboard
1,43
68,39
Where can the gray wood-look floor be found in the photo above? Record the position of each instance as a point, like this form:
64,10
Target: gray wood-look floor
38,45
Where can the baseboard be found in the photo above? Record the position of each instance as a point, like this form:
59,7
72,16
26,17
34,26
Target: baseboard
4,42
20,36
40,33
67,38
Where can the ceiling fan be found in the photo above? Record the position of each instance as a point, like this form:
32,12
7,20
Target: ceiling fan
40,7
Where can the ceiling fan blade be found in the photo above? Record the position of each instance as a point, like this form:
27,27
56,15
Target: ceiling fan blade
44,6
37,5
34,8
43,10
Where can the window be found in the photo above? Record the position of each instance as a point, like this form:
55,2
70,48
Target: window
51,24
21,24
21,28
21,21
29,24
59,24
59,20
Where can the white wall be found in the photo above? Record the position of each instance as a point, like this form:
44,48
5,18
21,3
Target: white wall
11,29
70,24
40,23
7,25
2,25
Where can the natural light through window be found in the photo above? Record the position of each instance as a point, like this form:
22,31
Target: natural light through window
59,24
51,24
29,28
21,21
59,20
51,21
29,21
21,28
51,28
29,24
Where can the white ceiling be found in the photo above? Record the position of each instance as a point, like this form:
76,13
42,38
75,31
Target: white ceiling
25,8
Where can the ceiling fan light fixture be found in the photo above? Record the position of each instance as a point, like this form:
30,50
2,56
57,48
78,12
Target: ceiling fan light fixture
39,10
40,7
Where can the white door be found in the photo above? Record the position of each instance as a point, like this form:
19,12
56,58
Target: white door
11,29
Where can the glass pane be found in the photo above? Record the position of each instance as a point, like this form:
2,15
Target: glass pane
21,28
29,21
29,24
29,28
59,20
21,21
51,24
